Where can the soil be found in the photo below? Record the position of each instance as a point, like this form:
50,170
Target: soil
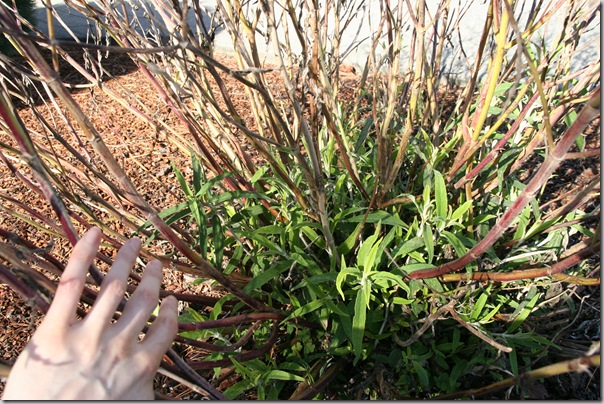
147,157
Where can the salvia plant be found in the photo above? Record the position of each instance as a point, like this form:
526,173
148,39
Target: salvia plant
390,235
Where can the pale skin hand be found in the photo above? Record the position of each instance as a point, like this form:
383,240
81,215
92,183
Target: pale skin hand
92,358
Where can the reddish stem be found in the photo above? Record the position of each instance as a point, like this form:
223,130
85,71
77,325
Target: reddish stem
552,161
528,273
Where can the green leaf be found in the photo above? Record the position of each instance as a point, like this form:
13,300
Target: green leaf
264,277
312,235
440,195
416,267
490,314
265,242
526,310
218,238
366,247
401,301
202,233
417,256
523,220
342,328
198,174
369,251
229,196
461,210
528,340
308,262
342,276
242,369
583,230
334,308
181,207
570,118
434,283
580,142
540,227
363,135
426,196
274,392
247,212
277,374
181,180
391,277
217,309
307,308
478,306
423,375
294,367
191,316
366,288
203,189
478,219
270,229
358,324
342,215
429,242
460,248
238,389
514,362
456,372
258,174
347,245
456,342
378,216
169,215
502,88
410,245
316,280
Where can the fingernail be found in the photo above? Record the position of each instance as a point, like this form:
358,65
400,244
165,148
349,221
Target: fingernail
92,232
155,265
134,243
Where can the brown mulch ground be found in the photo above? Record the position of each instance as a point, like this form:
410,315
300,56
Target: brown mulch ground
148,162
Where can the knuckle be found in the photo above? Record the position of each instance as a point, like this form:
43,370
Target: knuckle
169,315
121,349
154,270
148,364
147,296
113,289
70,284
169,322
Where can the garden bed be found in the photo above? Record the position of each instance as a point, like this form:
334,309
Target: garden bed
148,157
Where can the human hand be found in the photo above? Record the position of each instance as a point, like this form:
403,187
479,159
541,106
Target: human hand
93,358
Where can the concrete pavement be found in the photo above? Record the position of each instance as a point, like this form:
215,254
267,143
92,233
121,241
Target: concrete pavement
469,14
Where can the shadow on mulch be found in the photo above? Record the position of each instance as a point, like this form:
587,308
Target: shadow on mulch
114,65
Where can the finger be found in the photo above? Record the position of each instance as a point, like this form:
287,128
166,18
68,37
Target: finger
63,308
142,303
148,355
113,286
162,332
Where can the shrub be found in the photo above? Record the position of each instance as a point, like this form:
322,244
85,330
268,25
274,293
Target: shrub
369,232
